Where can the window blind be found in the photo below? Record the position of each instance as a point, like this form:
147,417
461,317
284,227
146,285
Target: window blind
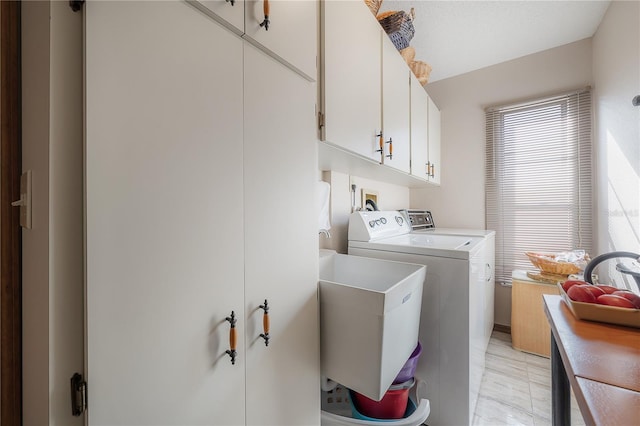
538,178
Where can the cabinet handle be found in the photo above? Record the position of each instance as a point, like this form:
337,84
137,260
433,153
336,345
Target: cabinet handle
428,164
265,23
390,142
233,338
433,170
380,143
233,2
265,323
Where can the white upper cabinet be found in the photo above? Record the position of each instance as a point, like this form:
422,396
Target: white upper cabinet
425,135
434,142
419,136
352,81
395,107
284,29
372,108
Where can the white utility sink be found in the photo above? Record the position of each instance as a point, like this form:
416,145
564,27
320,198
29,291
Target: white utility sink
369,319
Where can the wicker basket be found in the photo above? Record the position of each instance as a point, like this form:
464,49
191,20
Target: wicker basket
547,262
421,70
374,6
399,27
408,54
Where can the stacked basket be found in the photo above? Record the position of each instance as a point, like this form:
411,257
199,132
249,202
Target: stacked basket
398,25
395,404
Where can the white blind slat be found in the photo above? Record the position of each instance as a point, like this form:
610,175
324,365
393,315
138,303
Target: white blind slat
538,178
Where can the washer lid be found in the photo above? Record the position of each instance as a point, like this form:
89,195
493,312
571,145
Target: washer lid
426,244
456,231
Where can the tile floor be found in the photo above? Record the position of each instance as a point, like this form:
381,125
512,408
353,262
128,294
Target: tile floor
516,388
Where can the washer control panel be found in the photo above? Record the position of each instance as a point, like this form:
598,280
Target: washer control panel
419,219
372,225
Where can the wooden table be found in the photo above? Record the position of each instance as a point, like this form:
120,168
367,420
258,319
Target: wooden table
601,362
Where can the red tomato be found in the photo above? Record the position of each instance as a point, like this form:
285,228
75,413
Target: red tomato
632,297
614,300
570,283
608,289
580,293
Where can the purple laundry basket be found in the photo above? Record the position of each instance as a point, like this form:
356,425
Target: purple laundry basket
409,368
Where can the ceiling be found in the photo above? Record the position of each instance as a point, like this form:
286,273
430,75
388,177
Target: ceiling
456,37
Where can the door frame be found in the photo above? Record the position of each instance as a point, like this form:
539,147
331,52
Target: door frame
10,230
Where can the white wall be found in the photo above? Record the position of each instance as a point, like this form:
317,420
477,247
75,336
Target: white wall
52,249
459,200
390,197
616,73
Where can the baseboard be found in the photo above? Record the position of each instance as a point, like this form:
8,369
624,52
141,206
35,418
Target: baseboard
502,328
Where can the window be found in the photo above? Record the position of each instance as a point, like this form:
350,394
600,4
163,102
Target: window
538,178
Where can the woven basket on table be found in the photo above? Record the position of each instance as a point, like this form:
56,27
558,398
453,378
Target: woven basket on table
547,262
399,27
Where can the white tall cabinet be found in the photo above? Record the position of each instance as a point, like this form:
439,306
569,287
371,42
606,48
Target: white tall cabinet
194,209
281,244
288,37
228,13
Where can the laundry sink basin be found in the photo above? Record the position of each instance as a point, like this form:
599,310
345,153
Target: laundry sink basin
369,319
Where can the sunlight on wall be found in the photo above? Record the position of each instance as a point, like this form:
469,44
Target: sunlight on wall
623,200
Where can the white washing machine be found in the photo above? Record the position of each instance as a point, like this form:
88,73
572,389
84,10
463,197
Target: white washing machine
453,321
421,221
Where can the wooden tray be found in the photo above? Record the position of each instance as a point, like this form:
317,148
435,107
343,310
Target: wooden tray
602,313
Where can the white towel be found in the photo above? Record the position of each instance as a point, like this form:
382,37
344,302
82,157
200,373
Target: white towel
323,191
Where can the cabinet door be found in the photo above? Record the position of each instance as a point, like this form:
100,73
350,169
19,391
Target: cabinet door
293,32
229,13
164,247
352,77
395,107
419,139
434,142
281,244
